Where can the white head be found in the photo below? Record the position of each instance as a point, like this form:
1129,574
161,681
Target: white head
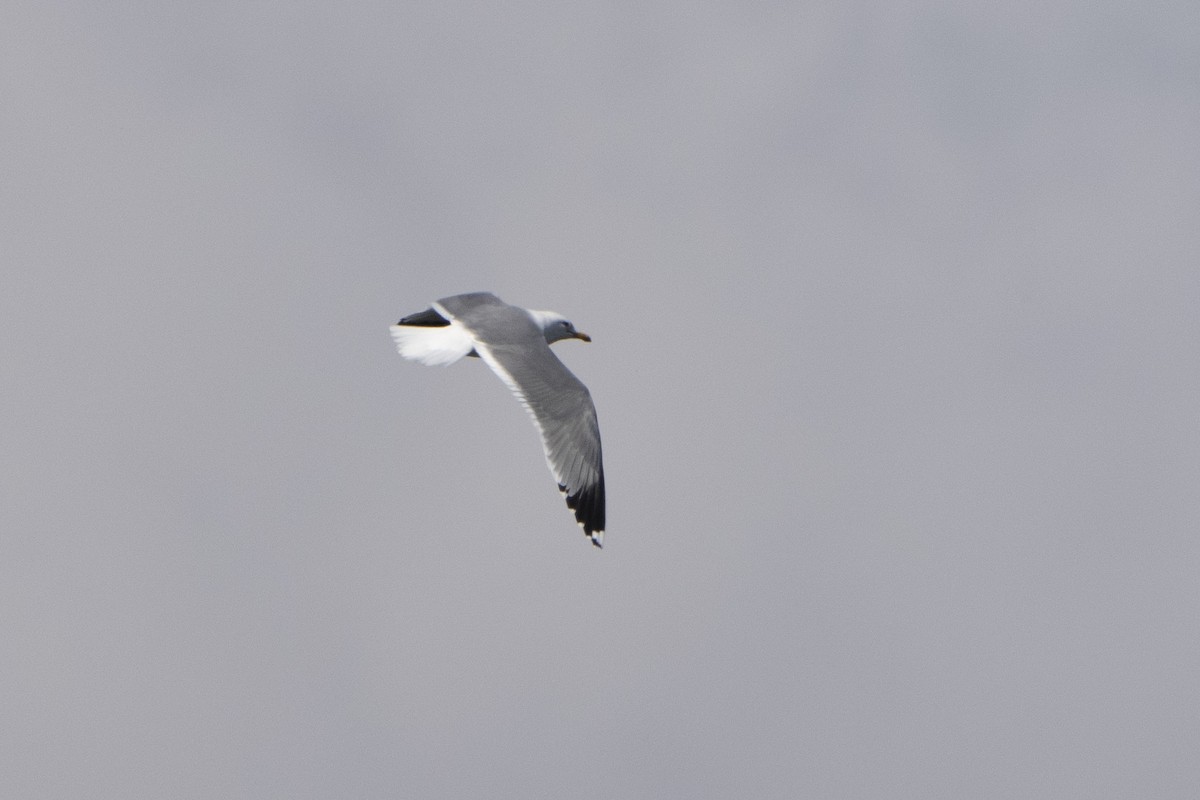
556,327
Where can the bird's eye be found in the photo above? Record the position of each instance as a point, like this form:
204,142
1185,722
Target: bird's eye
566,324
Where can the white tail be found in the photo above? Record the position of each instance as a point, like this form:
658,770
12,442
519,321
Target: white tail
433,346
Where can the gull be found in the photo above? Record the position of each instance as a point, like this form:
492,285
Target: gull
515,343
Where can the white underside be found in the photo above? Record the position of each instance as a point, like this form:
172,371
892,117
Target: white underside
433,346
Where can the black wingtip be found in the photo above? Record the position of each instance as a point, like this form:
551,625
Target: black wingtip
425,319
588,505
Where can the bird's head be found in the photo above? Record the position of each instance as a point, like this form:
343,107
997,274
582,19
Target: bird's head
556,327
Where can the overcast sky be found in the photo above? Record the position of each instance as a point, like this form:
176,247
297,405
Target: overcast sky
895,331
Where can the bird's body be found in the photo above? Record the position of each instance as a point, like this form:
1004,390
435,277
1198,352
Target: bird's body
515,343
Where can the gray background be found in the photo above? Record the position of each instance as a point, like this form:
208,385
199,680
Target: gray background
895,358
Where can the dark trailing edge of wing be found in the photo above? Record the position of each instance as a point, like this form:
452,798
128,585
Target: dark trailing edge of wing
425,319
588,505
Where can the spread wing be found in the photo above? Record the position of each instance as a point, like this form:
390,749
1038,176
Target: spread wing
563,413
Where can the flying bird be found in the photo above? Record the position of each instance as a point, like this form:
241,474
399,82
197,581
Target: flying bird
515,343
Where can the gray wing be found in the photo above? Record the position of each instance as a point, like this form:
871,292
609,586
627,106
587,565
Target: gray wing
478,305
562,410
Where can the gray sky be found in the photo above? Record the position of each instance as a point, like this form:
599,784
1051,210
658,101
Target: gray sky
895,360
